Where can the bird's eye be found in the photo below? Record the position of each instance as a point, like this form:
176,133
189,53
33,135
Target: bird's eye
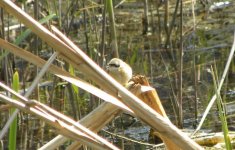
115,65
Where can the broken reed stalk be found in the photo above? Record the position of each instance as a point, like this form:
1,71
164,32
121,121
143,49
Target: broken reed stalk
82,62
151,98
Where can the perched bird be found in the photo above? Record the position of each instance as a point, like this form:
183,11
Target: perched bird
119,70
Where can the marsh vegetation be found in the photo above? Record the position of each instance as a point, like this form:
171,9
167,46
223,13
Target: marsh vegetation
182,47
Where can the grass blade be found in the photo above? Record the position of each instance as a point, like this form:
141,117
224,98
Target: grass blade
222,115
13,127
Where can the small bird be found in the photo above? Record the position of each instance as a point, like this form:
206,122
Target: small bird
119,70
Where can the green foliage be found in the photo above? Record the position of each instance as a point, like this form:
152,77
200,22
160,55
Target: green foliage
133,58
146,66
75,88
13,127
202,41
26,33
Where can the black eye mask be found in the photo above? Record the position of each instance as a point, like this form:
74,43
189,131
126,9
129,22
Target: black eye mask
114,65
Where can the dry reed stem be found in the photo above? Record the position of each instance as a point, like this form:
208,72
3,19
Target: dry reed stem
61,126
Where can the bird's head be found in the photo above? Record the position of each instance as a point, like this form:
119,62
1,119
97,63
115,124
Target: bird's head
119,70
